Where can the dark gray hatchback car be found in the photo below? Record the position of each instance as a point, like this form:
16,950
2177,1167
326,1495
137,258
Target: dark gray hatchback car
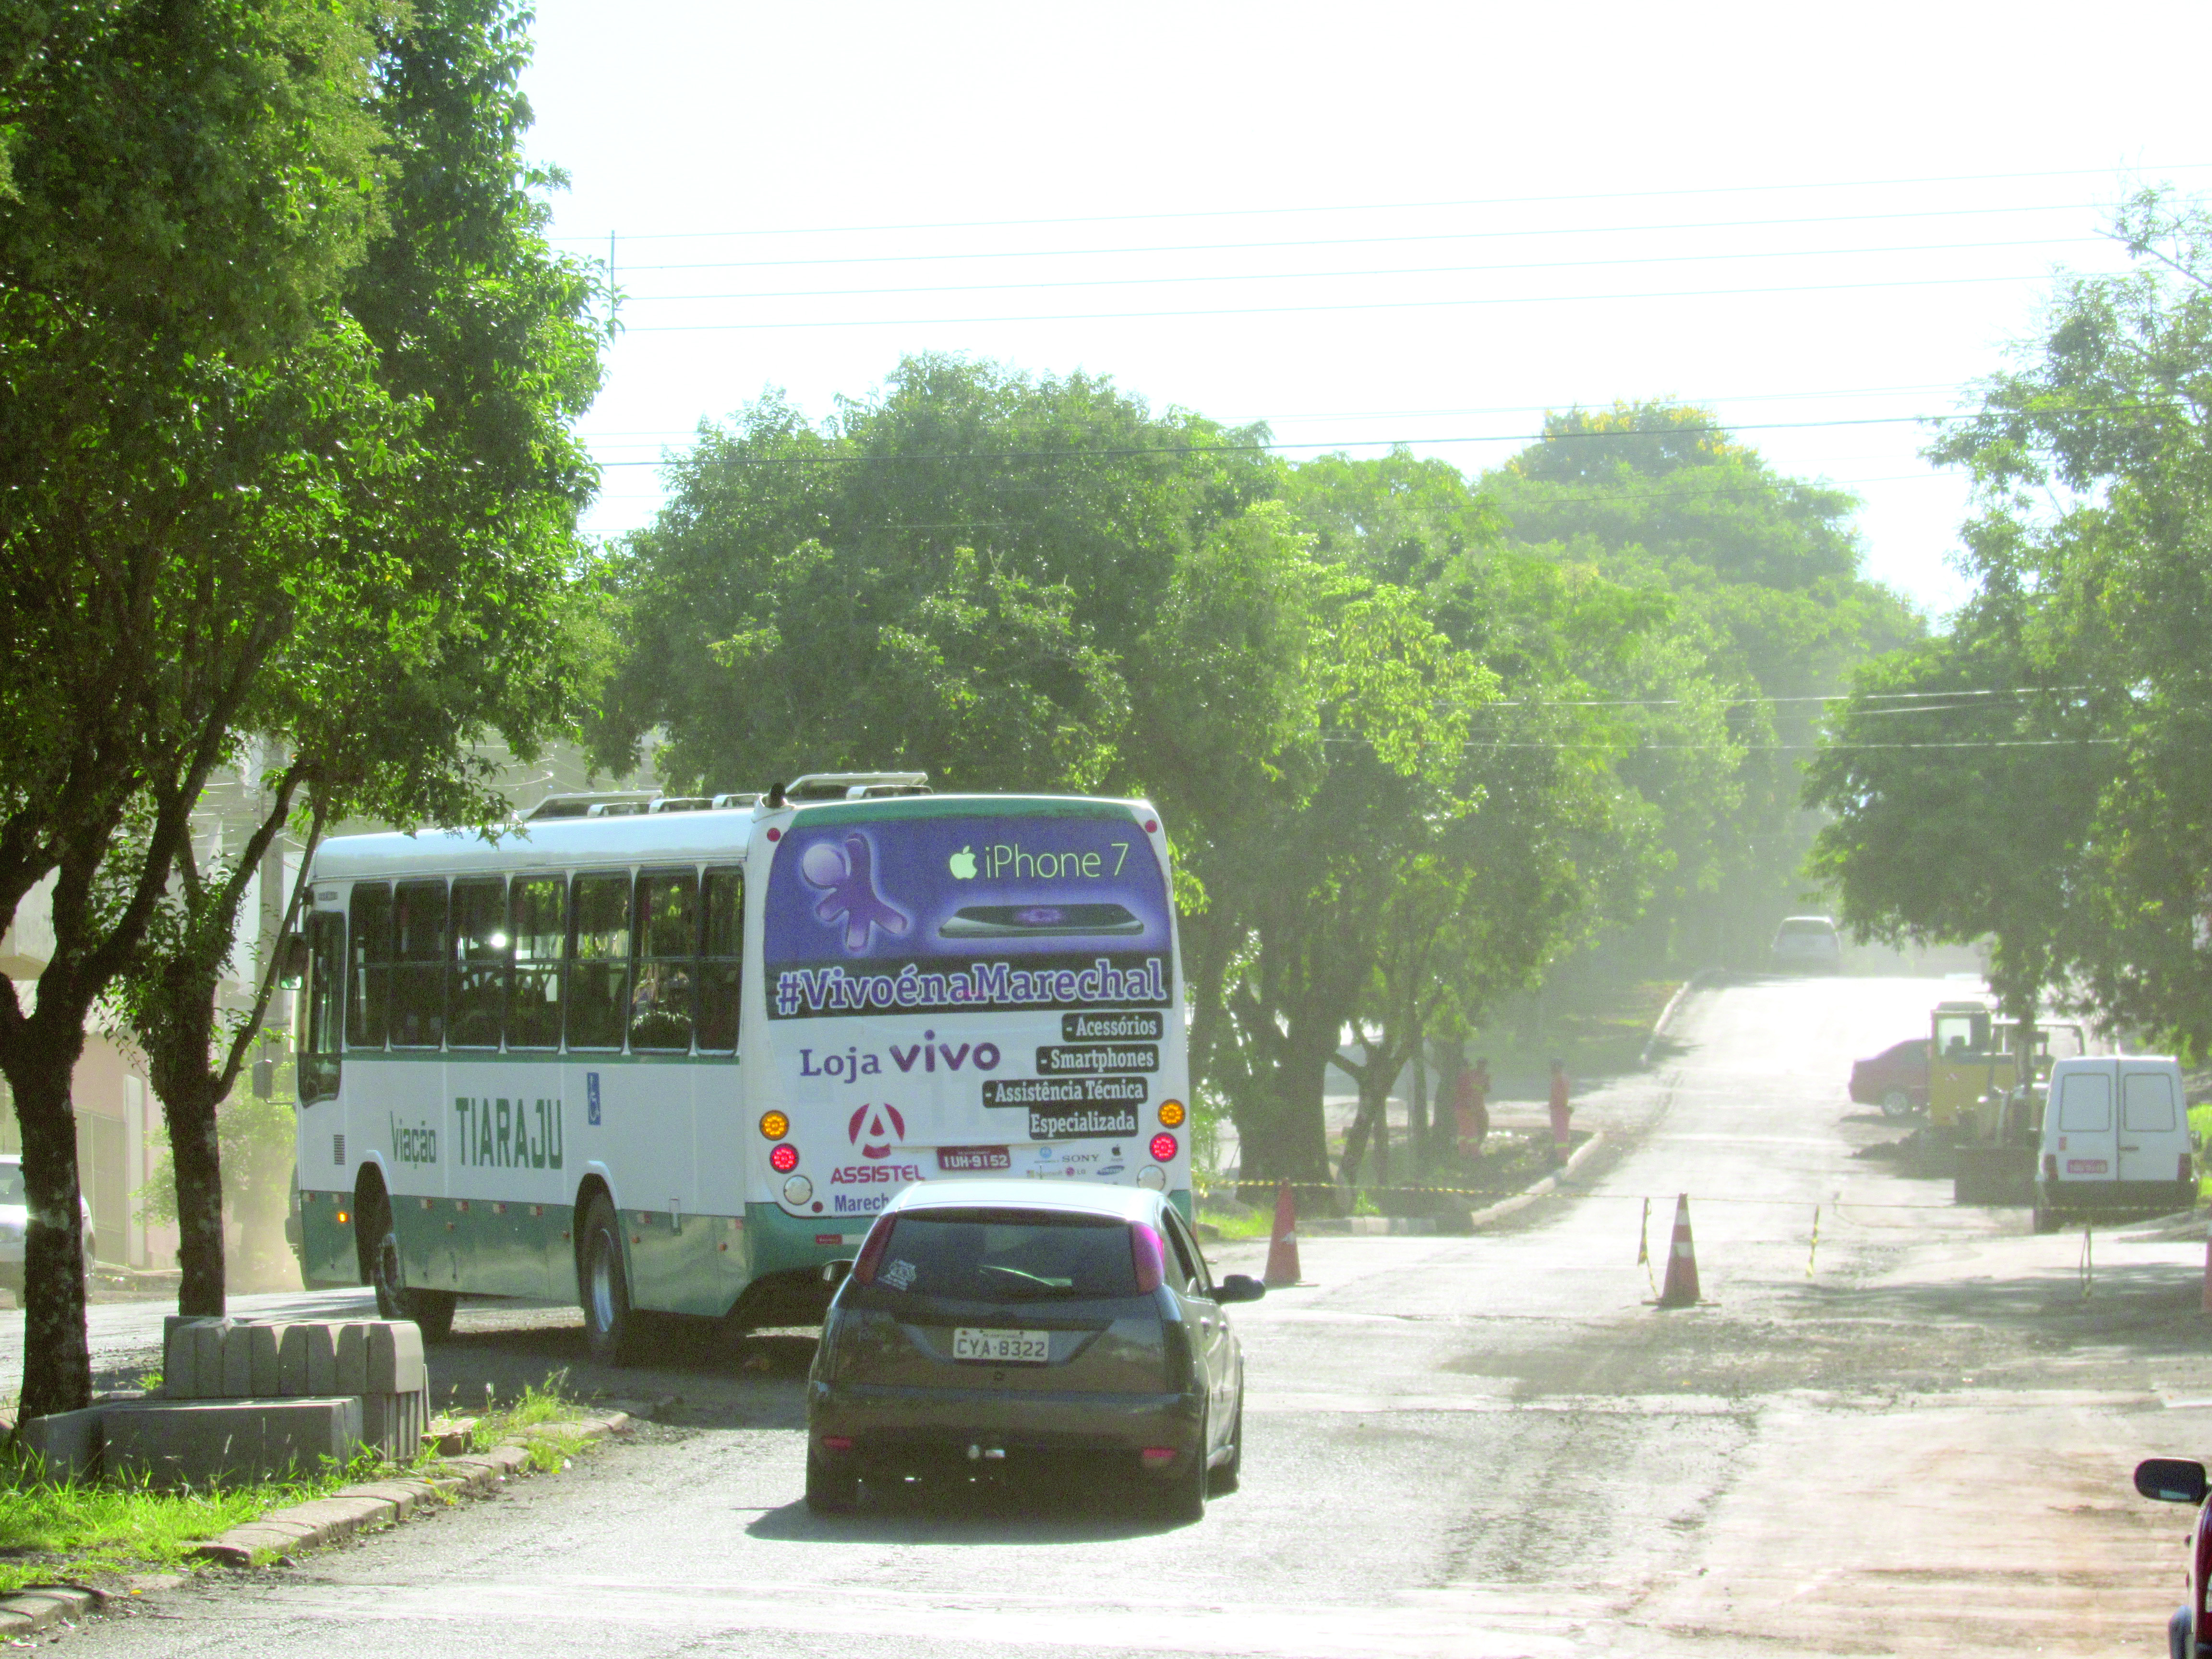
1008,1327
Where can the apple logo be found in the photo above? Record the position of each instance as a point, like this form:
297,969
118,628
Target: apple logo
962,864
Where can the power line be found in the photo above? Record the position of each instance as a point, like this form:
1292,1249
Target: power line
1308,310
975,256
1405,207
1169,450
1338,276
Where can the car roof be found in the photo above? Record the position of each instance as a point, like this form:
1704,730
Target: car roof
1019,1193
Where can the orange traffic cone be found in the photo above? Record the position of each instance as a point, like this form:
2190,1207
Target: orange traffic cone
1680,1290
1282,1247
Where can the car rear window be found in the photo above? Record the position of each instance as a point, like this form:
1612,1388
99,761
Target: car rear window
11,1183
1809,930
2147,1101
1006,1255
2085,1102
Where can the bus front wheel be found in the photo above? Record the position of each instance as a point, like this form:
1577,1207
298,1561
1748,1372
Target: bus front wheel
610,1328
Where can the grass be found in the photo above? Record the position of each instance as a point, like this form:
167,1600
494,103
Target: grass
53,1530
531,1420
2200,1119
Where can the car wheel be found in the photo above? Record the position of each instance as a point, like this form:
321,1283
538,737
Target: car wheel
1183,1498
2042,1220
1896,1103
610,1328
1225,1478
831,1490
431,1310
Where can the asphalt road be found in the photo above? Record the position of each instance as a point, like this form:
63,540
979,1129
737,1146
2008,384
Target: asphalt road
1474,1446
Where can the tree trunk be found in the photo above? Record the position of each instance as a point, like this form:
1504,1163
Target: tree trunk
57,1365
1376,1080
1417,1105
196,1156
1282,1131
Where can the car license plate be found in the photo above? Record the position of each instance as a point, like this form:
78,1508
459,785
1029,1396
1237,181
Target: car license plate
1002,1347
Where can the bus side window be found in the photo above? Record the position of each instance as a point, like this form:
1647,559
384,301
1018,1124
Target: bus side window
319,1053
721,958
371,960
418,965
598,978
540,930
475,989
667,947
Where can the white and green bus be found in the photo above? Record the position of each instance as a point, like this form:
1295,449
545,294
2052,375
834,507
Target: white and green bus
671,1056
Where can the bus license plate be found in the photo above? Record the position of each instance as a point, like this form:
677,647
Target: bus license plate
1002,1347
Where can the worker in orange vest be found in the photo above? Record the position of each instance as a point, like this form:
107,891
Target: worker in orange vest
1472,1108
1561,1113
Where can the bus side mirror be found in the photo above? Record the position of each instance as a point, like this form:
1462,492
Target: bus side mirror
292,962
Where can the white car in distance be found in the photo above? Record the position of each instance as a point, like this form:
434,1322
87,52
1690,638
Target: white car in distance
1807,945
14,1219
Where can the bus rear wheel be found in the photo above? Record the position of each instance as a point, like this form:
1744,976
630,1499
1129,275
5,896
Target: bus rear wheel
610,1325
431,1310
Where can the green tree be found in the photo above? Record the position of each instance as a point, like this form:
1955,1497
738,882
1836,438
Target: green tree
460,616
1768,610
189,187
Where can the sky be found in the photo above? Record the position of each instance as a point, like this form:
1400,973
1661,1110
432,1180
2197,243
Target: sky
1365,225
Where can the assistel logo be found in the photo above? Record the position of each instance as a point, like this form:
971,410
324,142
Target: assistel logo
868,1131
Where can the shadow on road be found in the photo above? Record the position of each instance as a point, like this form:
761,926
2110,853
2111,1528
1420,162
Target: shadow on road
959,1513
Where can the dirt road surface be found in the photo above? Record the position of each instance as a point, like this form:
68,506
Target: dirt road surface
1457,1446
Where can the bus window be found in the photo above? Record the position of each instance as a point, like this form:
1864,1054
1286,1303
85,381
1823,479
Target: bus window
539,930
477,987
418,965
371,958
668,949
599,984
721,954
319,1053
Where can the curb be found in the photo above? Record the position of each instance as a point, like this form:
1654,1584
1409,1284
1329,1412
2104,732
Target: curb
1665,1014
378,1503
1550,1185
31,1610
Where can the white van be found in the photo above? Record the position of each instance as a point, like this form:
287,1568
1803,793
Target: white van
2115,1136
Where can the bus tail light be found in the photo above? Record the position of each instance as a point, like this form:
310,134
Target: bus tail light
1147,1256
1165,1147
775,1125
1171,1115
872,1251
783,1159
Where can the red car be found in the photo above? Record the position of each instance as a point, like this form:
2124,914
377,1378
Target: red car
1896,1079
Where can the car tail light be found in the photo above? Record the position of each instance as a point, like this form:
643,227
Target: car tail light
784,1159
2187,1168
2050,1166
1146,1255
1157,1457
871,1250
837,1443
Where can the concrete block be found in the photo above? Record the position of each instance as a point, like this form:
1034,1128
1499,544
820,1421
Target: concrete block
407,1495
265,1371
353,1358
202,1442
307,1360
394,1423
237,1362
66,1443
184,1374
395,1358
